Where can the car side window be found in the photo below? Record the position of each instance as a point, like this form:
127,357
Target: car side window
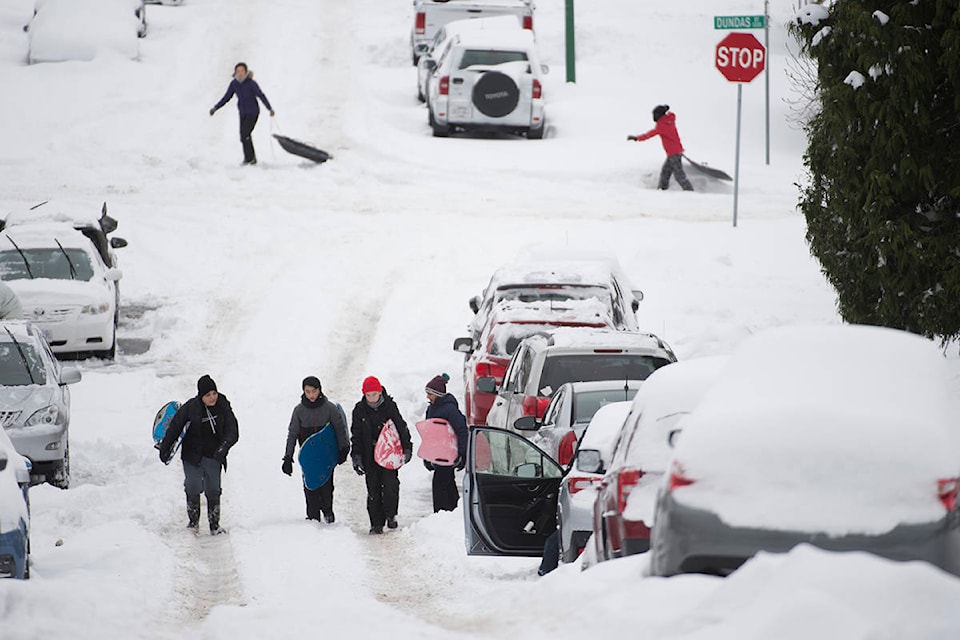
510,377
523,372
509,455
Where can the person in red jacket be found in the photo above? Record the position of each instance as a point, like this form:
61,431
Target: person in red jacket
666,128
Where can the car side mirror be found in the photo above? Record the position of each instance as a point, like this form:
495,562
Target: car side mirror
528,470
113,275
118,243
487,384
429,64
475,304
70,375
526,423
463,345
589,461
672,437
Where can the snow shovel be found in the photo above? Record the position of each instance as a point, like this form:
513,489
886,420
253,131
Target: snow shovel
710,171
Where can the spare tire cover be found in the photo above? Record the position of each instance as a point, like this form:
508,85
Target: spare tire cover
495,94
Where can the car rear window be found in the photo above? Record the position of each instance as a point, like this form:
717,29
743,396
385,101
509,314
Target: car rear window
17,370
45,263
485,57
561,368
587,403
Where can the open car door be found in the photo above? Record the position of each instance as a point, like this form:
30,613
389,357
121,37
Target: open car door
510,494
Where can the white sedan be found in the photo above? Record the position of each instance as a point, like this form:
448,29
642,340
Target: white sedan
64,287
83,29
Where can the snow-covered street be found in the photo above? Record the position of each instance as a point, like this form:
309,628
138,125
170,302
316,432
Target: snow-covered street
260,276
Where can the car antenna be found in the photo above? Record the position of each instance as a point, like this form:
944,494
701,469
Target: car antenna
73,269
23,357
38,205
26,262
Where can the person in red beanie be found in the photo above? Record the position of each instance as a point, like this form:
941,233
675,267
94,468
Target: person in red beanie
666,127
373,411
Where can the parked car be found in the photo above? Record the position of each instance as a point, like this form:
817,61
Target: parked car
490,81
542,363
63,285
623,509
35,401
509,323
571,409
431,15
842,437
579,487
444,38
63,30
552,279
14,511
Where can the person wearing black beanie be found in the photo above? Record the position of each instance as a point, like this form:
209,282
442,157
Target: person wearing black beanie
444,406
665,127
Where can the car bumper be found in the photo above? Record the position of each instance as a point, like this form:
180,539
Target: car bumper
576,520
78,332
463,114
13,552
688,540
40,443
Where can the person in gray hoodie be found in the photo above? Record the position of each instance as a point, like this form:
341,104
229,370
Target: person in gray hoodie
313,413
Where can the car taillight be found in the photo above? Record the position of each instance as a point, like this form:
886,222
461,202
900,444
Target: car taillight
627,479
421,24
567,447
537,89
528,22
577,484
445,85
534,406
947,492
678,477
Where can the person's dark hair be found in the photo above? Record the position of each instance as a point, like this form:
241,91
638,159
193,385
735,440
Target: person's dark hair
241,64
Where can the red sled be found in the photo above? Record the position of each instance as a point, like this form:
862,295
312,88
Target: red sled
438,442
388,452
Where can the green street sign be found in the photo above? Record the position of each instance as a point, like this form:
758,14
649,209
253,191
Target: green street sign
738,22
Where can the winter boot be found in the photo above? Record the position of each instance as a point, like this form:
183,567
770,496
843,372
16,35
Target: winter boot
193,512
213,516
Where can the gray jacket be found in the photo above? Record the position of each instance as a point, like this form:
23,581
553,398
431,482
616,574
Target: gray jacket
9,302
307,420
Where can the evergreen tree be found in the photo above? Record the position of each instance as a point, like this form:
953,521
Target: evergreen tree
882,198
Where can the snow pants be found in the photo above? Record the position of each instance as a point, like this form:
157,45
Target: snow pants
383,494
202,478
247,123
673,165
319,500
445,493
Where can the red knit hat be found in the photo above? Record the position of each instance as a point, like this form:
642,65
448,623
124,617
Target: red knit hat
371,384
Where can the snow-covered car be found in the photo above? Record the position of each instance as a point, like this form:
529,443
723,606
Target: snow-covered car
35,401
542,363
14,511
489,81
63,30
579,487
64,286
843,437
623,509
509,323
164,2
552,279
437,47
571,409
430,16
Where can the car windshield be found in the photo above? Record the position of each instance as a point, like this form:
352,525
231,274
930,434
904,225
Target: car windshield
587,403
51,263
587,367
14,372
488,58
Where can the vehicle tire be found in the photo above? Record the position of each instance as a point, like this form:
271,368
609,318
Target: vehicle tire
420,96
495,94
439,130
111,353
536,134
61,477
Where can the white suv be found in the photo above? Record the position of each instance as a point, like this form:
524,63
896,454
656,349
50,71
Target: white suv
488,81
542,363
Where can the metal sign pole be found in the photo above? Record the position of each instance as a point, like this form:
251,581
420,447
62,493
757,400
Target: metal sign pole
571,54
736,170
766,45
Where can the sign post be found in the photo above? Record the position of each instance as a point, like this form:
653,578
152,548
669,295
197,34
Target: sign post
753,22
740,58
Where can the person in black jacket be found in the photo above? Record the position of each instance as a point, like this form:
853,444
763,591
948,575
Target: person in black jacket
383,485
247,92
211,429
313,413
443,405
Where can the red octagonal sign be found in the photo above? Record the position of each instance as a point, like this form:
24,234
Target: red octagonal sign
740,57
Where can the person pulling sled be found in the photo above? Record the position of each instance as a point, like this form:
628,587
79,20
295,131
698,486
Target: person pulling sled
666,127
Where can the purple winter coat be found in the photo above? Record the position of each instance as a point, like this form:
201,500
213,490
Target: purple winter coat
247,93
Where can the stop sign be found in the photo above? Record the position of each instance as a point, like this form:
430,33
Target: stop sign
740,57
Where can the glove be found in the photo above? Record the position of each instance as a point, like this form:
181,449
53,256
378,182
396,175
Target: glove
212,111
271,113
358,465
461,463
220,455
406,456
428,465
287,467
631,138
343,456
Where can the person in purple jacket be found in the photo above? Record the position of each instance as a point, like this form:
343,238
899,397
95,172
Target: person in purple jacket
247,92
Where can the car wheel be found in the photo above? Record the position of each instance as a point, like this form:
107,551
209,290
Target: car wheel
61,477
111,353
420,96
495,94
439,130
536,133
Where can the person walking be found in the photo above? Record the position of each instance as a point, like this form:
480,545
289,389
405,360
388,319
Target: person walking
211,430
443,405
666,127
373,411
314,412
247,91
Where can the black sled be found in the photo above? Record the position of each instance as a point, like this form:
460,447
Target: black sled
302,149
710,171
